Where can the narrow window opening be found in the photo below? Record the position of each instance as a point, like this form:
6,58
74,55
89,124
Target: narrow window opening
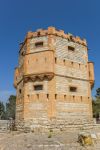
73,97
72,63
81,98
20,91
38,44
55,59
55,96
37,96
38,87
28,96
64,61
64,97
73,89
70,48
47,96
38,34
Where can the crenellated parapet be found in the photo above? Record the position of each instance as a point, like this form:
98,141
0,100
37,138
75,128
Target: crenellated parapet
54,31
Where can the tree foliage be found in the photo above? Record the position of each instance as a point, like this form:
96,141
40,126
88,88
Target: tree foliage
96,104
11,107
8,110
2,110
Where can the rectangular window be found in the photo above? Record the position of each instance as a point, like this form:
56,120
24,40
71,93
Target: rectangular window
72,89
38,87
38,44
70,48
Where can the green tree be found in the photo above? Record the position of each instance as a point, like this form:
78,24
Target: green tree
97,93
2,110
96,104
11,107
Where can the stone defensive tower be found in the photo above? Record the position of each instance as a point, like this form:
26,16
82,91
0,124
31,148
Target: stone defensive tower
53,80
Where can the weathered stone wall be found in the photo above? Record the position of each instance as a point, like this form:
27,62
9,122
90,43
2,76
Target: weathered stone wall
56,68
20,101
79,56
63,84
35,60
44,39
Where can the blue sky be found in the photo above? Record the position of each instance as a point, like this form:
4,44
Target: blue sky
17,17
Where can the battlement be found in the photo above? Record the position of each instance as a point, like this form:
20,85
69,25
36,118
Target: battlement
56,32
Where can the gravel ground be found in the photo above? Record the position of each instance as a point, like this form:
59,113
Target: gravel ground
43,141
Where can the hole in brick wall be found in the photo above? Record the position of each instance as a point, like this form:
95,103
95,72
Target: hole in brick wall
55,59
64,61
73,97
38,33
38,87
20,91
64,97
38,44
72,63
72,89
28,95
47,96
37,96
81,98
55,96
71,48
79,65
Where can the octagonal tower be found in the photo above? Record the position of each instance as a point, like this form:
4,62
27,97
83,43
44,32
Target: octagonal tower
53,79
